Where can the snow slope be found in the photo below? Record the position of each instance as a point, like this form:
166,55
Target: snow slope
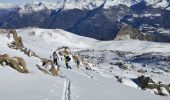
58,38
33,86
77,84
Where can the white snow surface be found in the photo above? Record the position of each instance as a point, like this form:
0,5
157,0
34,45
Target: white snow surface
57,38
77,83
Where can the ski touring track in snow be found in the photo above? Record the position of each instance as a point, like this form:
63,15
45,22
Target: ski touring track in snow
67,88
67,84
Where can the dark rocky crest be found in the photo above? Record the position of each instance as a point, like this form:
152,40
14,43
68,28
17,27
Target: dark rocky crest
128,32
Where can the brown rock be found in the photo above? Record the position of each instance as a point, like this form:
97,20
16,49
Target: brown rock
22,64
128,32
54,71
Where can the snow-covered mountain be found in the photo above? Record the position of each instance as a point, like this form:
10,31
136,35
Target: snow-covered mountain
99,19
90,4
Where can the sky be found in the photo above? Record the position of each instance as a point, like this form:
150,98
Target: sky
23,1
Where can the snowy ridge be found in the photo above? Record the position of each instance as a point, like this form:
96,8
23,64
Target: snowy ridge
83,4
55,36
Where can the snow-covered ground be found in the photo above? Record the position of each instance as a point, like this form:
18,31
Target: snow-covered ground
77,84
56,38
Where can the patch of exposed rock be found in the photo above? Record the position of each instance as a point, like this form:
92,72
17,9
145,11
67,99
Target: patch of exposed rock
17,63
128,32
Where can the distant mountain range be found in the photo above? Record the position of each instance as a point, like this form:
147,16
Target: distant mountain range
99,19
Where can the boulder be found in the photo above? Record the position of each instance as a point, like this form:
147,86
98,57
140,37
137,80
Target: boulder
144,81
54,71
49,67
17,63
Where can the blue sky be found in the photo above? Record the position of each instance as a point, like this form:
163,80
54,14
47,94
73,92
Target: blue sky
23,1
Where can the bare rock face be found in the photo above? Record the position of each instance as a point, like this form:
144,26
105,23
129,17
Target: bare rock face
49,67
148,83
128,32
4,59
22,64
17,39
54,71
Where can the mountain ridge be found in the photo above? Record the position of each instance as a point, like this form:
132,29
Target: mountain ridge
97,19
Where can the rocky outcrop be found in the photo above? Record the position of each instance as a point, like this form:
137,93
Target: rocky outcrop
17,43
148,83
17,63
128,32
122,65
48,67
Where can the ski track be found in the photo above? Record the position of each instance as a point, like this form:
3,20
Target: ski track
67,88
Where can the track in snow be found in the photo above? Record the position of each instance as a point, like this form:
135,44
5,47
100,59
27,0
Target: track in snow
87,73
67,88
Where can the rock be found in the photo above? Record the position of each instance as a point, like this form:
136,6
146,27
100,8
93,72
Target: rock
17,43
45,61
128,32
17,63
144,81
54,71
29,53
4,58
118,79
121,65
142,71
64,51
14,34
167,59
49,67
87,68
14,64
22,64
163,91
